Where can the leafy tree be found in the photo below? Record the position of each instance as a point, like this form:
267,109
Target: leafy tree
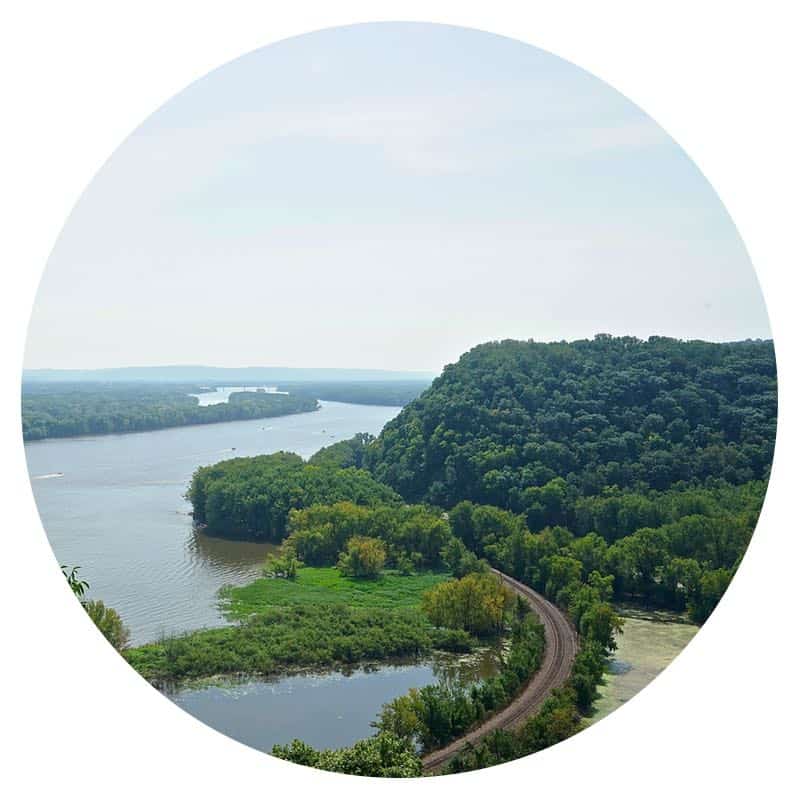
363,557
108,623
284,565
476,603
712,586
382,756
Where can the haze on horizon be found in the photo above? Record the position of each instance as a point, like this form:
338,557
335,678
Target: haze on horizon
387,196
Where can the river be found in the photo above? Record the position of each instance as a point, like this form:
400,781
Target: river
114,506
221,394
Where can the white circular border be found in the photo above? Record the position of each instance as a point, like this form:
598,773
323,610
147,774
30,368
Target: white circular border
78,77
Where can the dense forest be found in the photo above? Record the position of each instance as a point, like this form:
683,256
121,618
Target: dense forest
58,410
253,496
511,416
347,453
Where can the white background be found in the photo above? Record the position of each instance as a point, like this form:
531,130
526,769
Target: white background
77,77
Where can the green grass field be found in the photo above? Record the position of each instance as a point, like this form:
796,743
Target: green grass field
326,586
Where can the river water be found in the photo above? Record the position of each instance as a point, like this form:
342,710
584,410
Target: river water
221,394
114,506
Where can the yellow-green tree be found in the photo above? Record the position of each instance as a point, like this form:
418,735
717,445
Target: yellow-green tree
363,557
476,603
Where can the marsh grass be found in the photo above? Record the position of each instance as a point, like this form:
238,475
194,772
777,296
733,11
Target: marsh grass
315,586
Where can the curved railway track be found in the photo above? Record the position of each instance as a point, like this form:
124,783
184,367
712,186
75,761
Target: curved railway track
561,646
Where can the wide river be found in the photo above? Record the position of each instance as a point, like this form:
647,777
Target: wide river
114,506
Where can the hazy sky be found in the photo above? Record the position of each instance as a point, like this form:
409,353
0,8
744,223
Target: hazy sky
388,196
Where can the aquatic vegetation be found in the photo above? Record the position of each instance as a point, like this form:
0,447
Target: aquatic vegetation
295,636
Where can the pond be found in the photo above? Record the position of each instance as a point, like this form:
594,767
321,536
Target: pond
326,710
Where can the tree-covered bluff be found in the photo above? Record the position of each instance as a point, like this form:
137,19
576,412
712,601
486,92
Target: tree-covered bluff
510,417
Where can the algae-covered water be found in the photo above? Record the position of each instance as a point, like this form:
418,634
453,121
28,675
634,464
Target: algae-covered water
647,645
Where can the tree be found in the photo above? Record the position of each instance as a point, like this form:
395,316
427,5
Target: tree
284,565
600,624
712,586
363,557
381,756
108,623
476,603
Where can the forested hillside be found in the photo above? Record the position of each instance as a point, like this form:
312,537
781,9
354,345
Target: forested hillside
594,471
509,418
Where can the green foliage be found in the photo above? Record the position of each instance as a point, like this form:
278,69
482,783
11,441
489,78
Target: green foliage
712,586
254,496
55,410
347,453
459,560
434,715
414,534
317,586
381,756
108,623
476,603
106,619
282,566
690,532
531,427
283,637
76,584
362,557
558,719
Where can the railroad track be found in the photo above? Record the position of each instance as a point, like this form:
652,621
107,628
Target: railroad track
561,646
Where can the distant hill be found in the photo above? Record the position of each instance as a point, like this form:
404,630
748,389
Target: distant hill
220,375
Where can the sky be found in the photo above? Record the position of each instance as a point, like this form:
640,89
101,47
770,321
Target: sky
389,196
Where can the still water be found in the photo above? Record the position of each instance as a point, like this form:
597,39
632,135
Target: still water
114,506
333,709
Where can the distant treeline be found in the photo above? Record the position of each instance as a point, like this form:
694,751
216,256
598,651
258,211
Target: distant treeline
56,410
376,393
